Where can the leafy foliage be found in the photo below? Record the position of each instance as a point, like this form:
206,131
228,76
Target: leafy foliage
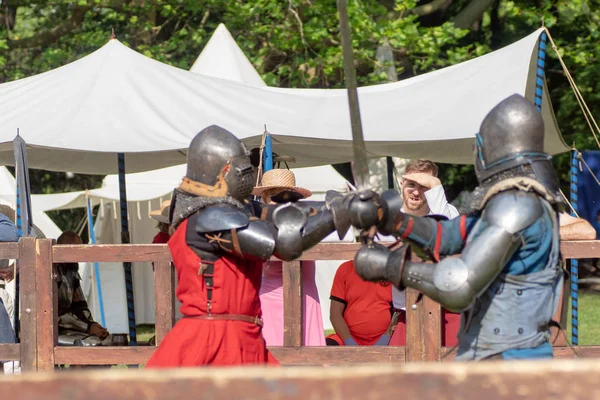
295,43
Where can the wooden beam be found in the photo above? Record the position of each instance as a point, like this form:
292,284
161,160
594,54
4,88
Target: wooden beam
323,251
292,304
580,249
103,355
111,253
564,379
28,306
321,355
45,305
9,251
164,310
338,355
10,352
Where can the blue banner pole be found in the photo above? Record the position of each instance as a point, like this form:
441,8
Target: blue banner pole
92,236
268,154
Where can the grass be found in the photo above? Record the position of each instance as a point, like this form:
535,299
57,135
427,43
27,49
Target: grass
144,332
589,319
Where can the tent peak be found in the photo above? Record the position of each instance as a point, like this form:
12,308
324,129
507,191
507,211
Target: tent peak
112,34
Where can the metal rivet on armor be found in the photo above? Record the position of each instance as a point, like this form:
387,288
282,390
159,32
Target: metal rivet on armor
496,331
208,284
414,307
519,292
520,331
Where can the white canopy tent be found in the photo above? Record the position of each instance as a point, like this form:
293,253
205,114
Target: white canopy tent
79,116
222,58
8,190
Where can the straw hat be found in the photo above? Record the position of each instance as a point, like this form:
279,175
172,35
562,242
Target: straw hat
162,214
280,179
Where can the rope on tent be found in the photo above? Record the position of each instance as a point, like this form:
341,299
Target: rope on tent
101,207
579,157
580,100
573,211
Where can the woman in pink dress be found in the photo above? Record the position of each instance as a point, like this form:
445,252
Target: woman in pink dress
281,183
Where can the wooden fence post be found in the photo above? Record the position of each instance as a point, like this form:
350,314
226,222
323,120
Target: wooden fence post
423,326
163,299
46,328
27,312
292,304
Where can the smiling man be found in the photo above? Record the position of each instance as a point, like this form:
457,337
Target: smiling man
422,191
423,194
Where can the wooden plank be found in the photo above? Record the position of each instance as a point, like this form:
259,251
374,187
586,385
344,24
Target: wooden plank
323,251
103,355
431,329
292,304
564,379
9,251
559,338
111,253
567,352
10,352
45,305
414,338
28,307
580,249
164,310
331,251
334,355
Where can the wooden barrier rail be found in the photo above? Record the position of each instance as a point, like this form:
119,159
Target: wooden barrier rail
39,351
557,379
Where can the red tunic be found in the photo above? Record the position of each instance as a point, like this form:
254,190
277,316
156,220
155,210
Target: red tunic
194,342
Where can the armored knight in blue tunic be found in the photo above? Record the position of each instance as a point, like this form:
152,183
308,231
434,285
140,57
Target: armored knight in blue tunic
508,278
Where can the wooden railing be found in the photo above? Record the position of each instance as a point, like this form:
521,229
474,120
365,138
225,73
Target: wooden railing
565,379
39,350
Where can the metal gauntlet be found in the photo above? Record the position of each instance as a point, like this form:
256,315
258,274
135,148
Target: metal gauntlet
375,262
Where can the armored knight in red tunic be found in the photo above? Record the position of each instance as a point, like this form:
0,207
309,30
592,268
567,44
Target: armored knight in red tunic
220,242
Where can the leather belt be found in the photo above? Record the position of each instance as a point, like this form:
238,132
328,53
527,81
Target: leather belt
227,317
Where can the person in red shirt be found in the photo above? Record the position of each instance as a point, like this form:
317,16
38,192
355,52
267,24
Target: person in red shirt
361,311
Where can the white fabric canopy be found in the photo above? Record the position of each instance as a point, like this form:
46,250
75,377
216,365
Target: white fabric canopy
77,117
222,58
8,190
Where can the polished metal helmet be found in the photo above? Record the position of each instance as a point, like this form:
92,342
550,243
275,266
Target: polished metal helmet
218,165
511,137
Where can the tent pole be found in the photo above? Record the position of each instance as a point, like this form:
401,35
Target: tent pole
126,240
539,72
574,263
16,305
92,237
